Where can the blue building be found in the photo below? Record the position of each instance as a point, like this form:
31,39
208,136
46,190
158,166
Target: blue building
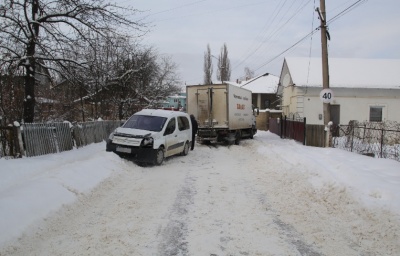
176,102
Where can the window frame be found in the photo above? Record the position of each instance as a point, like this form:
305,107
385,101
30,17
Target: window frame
376,117
183,123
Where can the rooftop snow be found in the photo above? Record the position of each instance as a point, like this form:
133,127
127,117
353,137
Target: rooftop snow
346,73
265,83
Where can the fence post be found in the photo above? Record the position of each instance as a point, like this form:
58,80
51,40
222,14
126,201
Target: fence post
305,127
18,140
284,128
352,138
382,142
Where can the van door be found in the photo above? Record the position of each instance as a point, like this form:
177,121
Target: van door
172,144
185,131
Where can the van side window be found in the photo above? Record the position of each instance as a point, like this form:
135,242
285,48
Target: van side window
170,127
183,123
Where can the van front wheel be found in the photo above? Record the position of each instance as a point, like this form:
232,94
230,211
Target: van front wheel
159,156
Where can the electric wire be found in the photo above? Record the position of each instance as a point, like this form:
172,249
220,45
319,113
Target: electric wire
336,17
347,10
210,12
253,48
276,32
311,40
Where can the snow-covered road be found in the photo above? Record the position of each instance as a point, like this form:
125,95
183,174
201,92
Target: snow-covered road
240,200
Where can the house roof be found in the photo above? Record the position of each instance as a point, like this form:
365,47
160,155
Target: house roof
346,73
265,83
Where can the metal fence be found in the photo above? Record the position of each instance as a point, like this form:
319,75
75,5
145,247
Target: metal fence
375,139
46,138
42,139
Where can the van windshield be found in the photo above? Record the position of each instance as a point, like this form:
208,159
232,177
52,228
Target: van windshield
148,123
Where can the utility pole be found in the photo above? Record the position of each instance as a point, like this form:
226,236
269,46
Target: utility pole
325,68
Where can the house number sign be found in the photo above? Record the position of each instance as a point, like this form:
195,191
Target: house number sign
326,95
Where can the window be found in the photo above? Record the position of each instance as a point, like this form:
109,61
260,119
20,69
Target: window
267,104
183,123
170,126
149,123
375,114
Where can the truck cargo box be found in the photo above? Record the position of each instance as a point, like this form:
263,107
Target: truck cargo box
220,106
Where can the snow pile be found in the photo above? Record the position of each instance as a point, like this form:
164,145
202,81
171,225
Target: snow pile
31,188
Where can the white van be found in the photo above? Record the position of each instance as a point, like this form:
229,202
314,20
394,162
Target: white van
151,135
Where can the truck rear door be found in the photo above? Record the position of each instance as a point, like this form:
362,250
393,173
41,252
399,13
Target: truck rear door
212,107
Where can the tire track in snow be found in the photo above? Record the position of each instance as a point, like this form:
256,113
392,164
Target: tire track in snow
292,236
174,235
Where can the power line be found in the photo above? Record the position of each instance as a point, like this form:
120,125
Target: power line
273,33
348,9
288,49
280,28
210,12
309,54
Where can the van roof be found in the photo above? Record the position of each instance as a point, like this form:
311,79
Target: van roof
161,112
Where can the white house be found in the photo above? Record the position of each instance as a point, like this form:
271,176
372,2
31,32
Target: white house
363,89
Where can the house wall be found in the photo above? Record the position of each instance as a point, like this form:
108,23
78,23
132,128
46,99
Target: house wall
288,92
289,100
354,104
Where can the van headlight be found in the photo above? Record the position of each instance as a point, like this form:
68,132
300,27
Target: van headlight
111,137
147,142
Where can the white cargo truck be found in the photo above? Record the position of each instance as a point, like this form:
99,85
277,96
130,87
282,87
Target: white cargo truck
224,112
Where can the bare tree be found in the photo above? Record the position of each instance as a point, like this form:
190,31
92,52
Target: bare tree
248,73
224,65
11,97
36,32
128,78
208,67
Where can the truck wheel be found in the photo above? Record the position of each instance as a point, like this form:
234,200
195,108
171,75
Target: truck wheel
159,156
251,133
238,137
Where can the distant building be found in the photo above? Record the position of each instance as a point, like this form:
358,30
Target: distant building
177,102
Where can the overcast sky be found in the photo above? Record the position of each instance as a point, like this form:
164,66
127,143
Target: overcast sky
260,33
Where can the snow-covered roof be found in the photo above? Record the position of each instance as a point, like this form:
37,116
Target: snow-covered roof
177,97
265,83
346,73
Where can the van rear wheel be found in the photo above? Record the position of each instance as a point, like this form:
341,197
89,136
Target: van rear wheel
185,149
159,156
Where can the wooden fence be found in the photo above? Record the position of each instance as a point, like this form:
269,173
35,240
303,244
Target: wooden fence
40,139
315,135
299,130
